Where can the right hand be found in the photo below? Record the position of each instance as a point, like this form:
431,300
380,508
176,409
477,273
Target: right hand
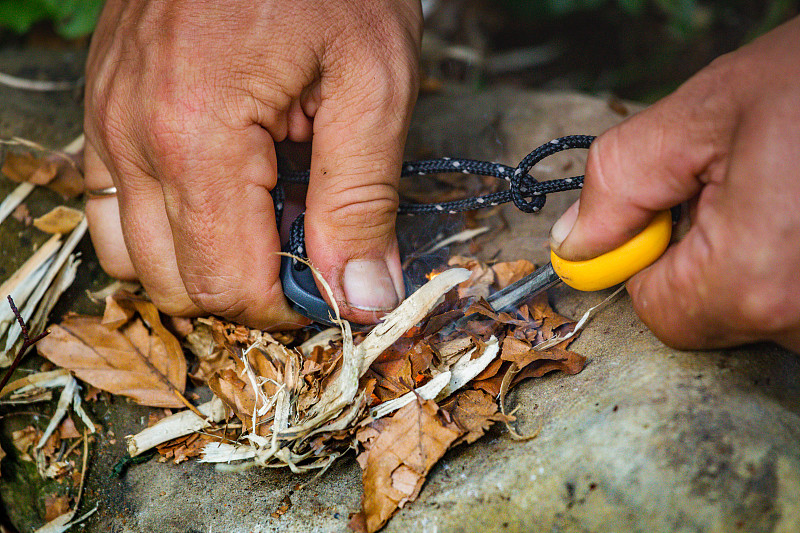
728,141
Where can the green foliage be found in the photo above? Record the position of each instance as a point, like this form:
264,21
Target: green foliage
681,15
71,18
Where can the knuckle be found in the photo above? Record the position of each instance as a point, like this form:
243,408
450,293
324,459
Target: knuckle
603,162
114,267
766,309
216,297
167,127
366,208
181,306
246,307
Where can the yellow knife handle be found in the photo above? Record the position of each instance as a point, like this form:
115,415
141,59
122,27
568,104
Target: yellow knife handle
618,265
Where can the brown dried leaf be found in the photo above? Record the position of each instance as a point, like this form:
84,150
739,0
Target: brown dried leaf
154,416
521,352
55,506
492,383
489,371
189,446
235,392
482,307
68,181
92,393
53,171
474,411
67,429
392,371
408,446
129,361
508,273
557,358
23,440
115,313
211,356
61,219
233,388
479,282
21,167
540,310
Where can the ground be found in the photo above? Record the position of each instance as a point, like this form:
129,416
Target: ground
646,438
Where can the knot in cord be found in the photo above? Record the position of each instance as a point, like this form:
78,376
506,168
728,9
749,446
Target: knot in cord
525,191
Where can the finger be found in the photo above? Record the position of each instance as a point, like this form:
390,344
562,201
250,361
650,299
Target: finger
651,162
103,217
216,189
359,134
148,239
299,124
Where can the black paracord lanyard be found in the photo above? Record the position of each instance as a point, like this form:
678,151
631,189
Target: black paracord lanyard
527,193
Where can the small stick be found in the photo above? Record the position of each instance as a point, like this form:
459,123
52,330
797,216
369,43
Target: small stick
186,402
27,343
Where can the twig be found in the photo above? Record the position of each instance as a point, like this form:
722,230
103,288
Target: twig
186,402
72,448
16,82
27,343
15,198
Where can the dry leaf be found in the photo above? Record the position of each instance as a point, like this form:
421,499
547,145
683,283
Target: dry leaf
283,390
54,171
236,390
540,310
408,446
55,506
513,271
115,314
236,393
494,378
21,167
68,182
474,411
556,358
92,393
67,429
189,446
211,356
23,440
479,281
61,219
129,361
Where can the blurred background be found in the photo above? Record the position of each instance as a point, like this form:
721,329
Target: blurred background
632,49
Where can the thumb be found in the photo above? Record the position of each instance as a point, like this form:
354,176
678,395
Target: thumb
651,162
352,197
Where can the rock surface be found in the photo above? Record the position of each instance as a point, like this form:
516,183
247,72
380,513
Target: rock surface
644,439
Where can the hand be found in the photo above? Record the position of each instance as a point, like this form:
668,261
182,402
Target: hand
185,101
727,141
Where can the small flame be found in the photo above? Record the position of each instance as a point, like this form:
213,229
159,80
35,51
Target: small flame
432,274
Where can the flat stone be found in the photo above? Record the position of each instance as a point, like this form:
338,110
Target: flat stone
646,438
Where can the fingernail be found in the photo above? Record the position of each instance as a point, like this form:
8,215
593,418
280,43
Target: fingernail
563,225
368,285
